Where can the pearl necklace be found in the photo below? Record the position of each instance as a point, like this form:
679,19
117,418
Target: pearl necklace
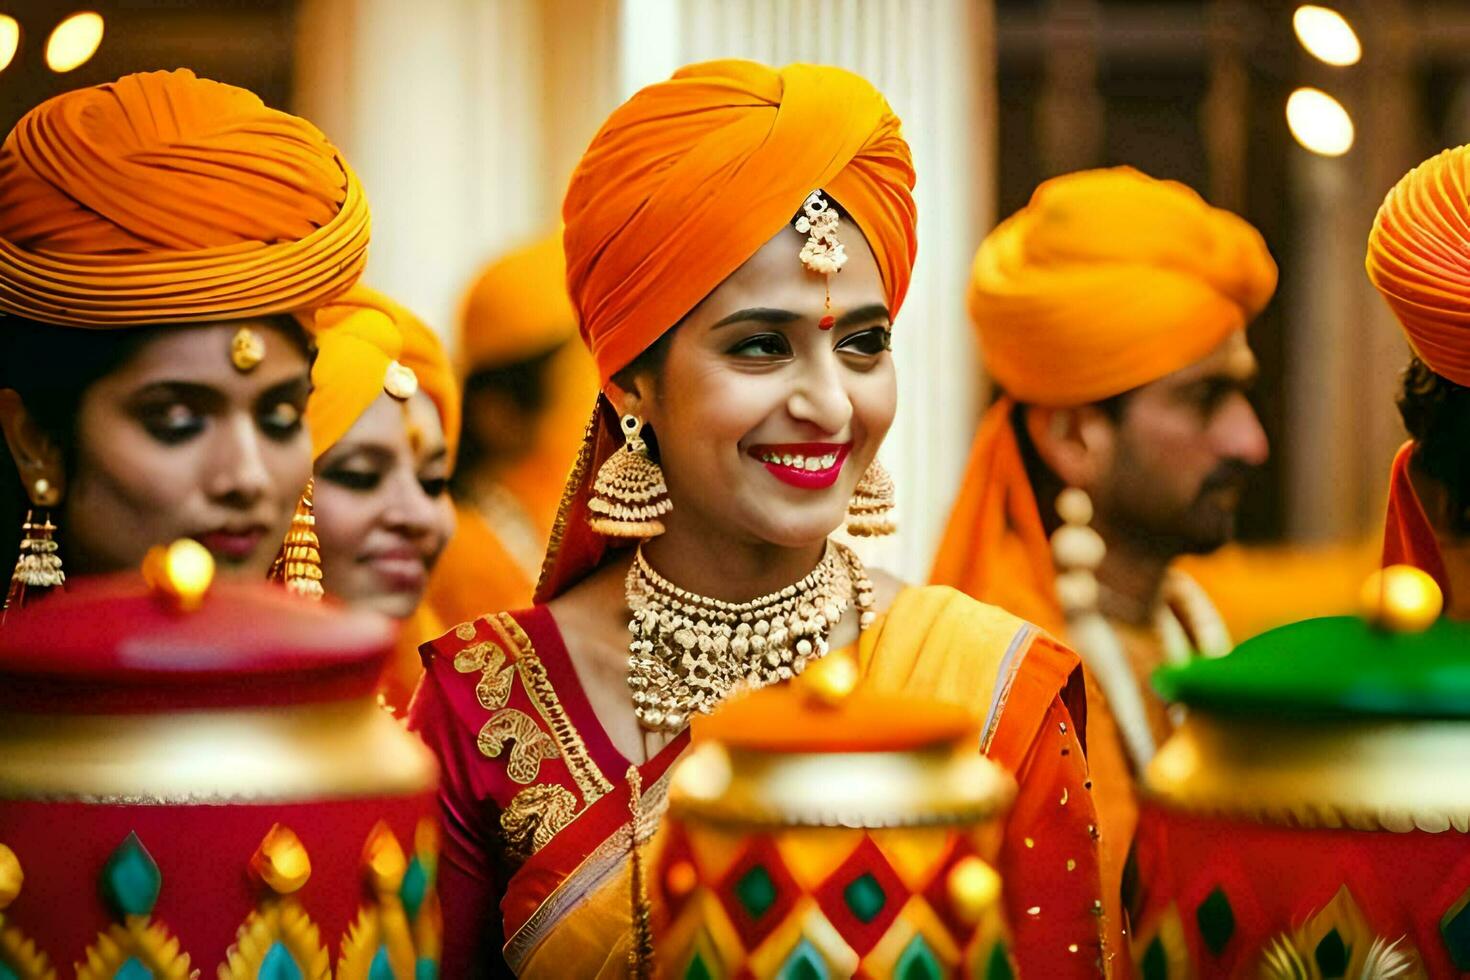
689,652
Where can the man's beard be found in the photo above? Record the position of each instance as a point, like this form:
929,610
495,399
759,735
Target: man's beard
1206,524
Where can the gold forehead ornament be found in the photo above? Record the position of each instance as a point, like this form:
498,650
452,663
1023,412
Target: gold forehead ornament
822,252
400,381
247,349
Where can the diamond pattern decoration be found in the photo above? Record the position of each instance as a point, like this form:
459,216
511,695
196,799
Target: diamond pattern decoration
698,969
1332,955
1454,929
918,962
1216,920
1155,964
938,896
998,964
863,896
804,963
757,892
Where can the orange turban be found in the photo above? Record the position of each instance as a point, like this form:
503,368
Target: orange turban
1419,258
690,177
1106,281
517,308
684,183
166,198
368,344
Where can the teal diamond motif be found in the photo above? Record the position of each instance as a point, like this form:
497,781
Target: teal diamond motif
1332,956
1454,928
864,897
426,969
132,969
1155,965
998,966
6,973
1216,920
415,888
918,962
698,969
804,963
381,968
131,880
756,891
278,965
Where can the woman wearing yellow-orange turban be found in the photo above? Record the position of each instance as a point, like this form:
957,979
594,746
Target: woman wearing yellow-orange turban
746,390
158,235
384,422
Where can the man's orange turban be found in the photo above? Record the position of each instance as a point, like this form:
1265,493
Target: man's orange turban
1419,258
517,308
690,177
684,183
1106,281
365,343
1110,279
167,198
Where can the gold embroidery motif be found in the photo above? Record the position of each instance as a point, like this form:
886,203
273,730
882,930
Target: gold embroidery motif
535,815
465,631
588,777
496,675
531,743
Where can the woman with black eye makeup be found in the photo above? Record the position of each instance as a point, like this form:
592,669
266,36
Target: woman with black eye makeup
384,418
156,309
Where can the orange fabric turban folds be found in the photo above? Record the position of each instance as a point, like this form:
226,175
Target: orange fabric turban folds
166,198
1106,281
1419,258
690,177
364,341
684,183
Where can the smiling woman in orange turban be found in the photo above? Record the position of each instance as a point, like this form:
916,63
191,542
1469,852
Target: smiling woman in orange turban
1419,259
157,234
699,264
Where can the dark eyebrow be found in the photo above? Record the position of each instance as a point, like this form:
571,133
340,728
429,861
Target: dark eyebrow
293,388
179,391
758,314
863,314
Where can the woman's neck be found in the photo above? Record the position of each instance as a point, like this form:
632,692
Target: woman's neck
721,566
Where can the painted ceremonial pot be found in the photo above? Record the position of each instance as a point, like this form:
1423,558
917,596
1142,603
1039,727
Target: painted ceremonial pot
814,832
1311,818
208,792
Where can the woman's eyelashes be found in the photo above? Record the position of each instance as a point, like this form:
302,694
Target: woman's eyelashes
170,422
866,343
434,486
353,477
280,420
869,343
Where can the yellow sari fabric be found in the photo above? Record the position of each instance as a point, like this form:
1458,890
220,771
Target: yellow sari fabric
933,642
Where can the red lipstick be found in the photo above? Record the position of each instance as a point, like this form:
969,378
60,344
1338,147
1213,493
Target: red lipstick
808,465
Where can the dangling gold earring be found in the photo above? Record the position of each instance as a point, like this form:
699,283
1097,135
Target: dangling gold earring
870,514
629,495
299,564
38,566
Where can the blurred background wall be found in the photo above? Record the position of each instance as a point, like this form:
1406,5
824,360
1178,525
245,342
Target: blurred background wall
464,118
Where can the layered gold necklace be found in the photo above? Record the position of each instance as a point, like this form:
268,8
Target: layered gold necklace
689,652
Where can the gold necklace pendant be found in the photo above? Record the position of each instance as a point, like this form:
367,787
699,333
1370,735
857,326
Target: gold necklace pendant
689,652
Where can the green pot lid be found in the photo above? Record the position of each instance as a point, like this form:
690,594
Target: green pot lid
1338,666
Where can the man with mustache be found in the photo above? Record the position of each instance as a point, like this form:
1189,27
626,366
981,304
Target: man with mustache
1111,312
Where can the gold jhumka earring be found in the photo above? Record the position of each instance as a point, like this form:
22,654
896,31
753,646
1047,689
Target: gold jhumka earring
299,564
870,513
629,495
38,566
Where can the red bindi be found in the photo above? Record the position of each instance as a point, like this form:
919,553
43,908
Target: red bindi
827,322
